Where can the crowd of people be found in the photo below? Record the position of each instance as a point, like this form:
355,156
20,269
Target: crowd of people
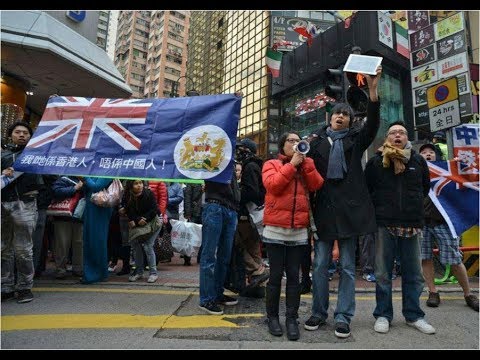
325,198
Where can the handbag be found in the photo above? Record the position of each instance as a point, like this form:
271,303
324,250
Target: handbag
109,197
65,207
145,232
78,213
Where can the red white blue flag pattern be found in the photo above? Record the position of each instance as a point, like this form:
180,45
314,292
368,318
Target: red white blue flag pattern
179,138
455,192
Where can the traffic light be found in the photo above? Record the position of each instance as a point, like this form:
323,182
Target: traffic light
334,86
357,98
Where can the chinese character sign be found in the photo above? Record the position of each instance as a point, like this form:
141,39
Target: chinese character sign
188,137
466,147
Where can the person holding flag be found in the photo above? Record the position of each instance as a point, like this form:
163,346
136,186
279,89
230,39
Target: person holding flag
436,228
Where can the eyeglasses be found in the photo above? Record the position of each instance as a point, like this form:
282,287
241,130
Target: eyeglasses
293,141
395,132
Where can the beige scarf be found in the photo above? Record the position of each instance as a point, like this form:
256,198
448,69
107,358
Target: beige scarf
399,156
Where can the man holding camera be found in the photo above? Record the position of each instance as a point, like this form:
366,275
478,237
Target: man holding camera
342,207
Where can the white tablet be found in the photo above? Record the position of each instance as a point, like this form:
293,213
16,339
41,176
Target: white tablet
362,64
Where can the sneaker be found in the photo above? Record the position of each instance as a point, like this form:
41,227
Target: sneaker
342,330
472,301
212,308
423,326
381,325
369,277
433,299
7,295
24,296
152,278
134,277
313,323
227,300
111,268
60,273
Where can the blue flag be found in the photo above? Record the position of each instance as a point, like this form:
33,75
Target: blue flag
179,138
454,191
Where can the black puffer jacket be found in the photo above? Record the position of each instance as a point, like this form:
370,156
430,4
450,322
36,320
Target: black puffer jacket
342,208
398,199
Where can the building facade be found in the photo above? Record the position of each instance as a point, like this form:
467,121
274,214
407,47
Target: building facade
102,28
151,51
227,54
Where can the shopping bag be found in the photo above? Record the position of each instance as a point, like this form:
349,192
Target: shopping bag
186,236
65,207
110,196
256,216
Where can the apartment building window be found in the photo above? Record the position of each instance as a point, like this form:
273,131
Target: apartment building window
172,71
175,50
177,15
176,37
141,33
168,83
174,59
142,23
137,77
139,54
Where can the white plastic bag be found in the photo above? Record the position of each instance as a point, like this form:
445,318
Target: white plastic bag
186,236
256,216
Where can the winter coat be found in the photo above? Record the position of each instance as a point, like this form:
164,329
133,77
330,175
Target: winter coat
286,200
398,199
159,189
342,208
144,206
192,203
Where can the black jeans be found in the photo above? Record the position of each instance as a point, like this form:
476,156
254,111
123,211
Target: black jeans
367,253
288,258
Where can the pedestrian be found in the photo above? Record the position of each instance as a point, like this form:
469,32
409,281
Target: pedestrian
342,207
219,221
288,180
19,218
436,229
398,181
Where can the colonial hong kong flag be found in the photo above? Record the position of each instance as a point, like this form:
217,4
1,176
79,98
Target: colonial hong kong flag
454,191
179,138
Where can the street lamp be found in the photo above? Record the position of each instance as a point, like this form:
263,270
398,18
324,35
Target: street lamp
175,85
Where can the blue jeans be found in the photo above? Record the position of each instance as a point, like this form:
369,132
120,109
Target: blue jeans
346,288
412,278
149,252
218,230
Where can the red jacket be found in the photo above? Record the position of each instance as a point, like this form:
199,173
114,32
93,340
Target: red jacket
286,201
159,189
